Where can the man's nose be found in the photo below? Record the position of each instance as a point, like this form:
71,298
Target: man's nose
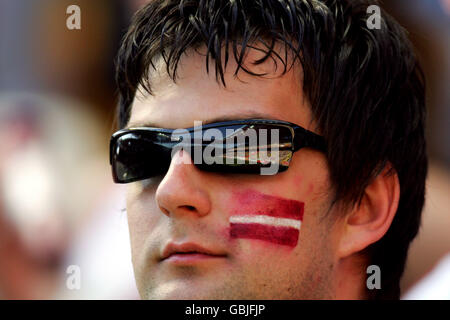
182,190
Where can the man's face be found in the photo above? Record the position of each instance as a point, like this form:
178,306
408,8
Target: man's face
188,206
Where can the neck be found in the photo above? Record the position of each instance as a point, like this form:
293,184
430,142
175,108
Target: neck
351,278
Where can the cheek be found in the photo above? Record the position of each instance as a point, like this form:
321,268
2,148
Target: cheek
140,213
140,197
310,189
308,166
269,219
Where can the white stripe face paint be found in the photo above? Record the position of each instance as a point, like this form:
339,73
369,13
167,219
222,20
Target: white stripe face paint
267,220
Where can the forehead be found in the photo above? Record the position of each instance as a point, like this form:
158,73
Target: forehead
197,95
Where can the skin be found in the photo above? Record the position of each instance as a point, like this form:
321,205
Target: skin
189,205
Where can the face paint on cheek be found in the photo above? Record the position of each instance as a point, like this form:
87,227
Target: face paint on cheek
264,217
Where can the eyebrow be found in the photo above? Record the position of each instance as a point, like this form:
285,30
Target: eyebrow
242,116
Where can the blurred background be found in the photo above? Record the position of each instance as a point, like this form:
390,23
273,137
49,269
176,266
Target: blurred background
58,204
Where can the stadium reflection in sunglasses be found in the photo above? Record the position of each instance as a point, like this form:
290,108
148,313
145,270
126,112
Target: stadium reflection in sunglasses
252,146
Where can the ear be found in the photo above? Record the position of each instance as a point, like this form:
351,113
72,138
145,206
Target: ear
369,222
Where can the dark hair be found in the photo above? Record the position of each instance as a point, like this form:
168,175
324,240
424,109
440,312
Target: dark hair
365,87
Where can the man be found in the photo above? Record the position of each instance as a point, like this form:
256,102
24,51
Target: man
352,100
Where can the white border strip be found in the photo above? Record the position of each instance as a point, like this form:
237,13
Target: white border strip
263,219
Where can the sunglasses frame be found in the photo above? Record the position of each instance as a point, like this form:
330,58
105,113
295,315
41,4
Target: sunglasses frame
301,137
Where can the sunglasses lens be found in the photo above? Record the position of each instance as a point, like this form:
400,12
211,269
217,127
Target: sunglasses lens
249,148
140,155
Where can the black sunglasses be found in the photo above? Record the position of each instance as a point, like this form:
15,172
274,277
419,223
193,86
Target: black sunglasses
144,152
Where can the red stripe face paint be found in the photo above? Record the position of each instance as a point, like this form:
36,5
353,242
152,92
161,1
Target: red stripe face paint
265,217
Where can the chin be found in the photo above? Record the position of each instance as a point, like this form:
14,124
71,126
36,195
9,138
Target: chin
177,291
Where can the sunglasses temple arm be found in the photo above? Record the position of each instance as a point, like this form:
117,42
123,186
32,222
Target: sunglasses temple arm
304,138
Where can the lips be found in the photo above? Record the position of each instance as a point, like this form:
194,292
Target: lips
189,251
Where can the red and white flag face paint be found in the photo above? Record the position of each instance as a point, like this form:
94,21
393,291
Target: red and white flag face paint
267,218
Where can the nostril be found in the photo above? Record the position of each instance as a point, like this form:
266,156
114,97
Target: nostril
190,208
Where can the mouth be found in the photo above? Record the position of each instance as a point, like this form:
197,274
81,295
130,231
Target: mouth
189,253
